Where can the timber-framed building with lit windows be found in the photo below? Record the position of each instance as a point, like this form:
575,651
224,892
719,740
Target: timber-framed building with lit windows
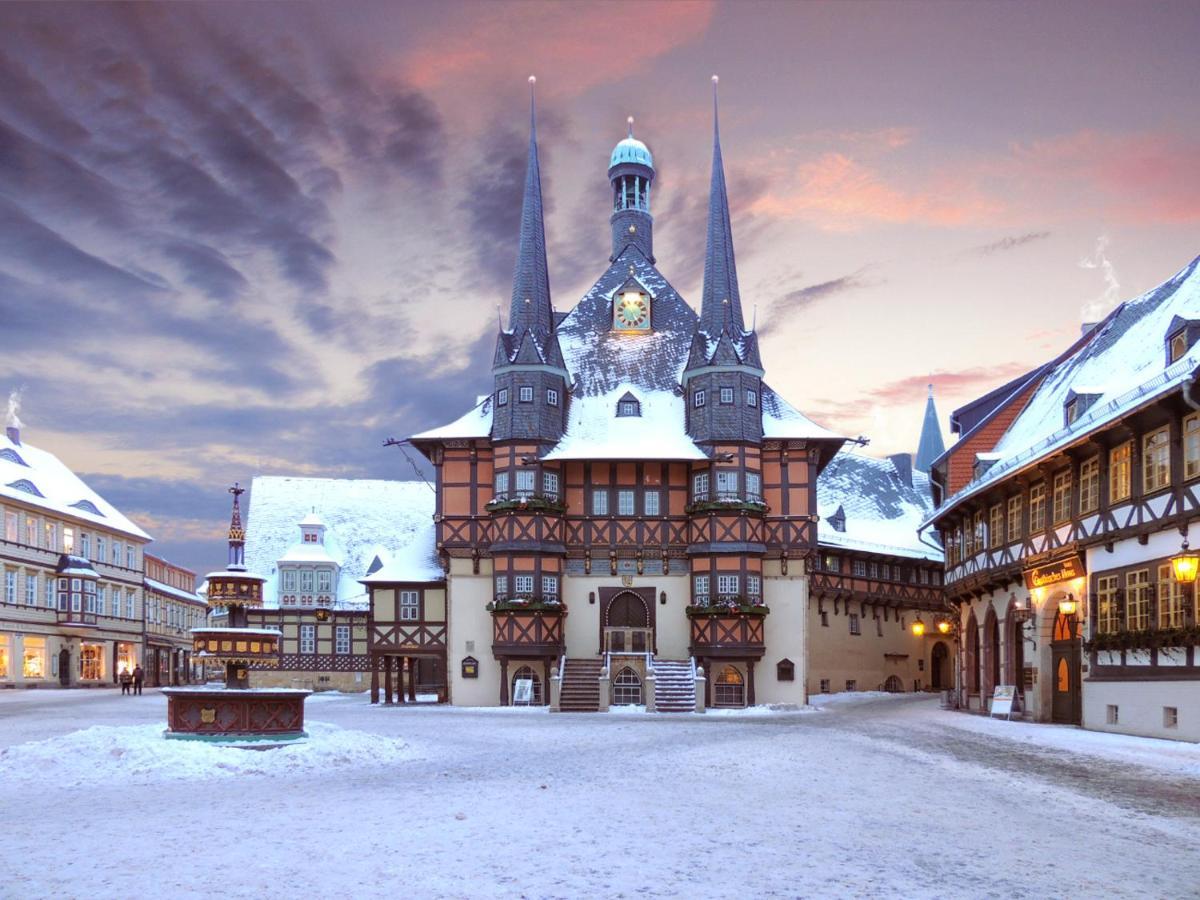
172,610
630,515
1065,510
71,587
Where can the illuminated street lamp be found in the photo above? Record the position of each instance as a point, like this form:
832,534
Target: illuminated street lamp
1185,564
943,626
918,627
1067,606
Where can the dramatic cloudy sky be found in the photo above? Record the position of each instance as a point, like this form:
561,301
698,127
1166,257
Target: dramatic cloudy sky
261,238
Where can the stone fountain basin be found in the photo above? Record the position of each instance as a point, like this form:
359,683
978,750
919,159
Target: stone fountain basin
235,715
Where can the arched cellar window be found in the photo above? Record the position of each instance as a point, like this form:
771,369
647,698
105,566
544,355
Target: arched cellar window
894,685
627,688
523,673
730,688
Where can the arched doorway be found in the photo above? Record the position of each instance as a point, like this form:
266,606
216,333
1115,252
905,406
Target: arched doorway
939,663
628,616
972,655
627,688
1014,639
64,667
729,690
893,685
991,637
526,673
1065,704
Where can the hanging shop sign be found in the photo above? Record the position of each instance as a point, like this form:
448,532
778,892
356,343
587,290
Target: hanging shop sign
1053,573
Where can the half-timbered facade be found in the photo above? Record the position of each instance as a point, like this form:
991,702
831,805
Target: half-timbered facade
632,506
877,616
1060,543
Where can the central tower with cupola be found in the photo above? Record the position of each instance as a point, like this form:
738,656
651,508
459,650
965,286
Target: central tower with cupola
631,173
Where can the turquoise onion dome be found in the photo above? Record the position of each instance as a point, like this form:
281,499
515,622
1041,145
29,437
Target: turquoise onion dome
631,150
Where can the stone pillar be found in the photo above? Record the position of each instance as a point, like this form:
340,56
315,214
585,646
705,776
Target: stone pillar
555,690
701,689
650,687
605,690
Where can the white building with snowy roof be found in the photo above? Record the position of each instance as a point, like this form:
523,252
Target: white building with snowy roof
71,591
1068,501
315,541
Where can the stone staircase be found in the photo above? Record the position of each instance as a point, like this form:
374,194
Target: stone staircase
580,686
674,687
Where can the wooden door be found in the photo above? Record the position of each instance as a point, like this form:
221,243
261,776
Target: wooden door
64,667
1065,663
627,608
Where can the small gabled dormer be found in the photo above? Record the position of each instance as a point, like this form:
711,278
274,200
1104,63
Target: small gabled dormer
628,406
838,520
983,462
1078,402
1181,337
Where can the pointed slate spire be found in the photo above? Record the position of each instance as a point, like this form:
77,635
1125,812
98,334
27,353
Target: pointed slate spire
531,307
931,445
721,302
237,534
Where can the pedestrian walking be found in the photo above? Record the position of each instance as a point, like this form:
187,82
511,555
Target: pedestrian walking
126,680
138,676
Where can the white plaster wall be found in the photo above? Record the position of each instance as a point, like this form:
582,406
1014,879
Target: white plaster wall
467,596
1140,707
786,637
583,618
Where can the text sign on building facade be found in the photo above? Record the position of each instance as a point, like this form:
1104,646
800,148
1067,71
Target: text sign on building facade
1063,570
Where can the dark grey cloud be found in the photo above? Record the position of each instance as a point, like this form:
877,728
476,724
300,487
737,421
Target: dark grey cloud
794,302
207,268
1009,243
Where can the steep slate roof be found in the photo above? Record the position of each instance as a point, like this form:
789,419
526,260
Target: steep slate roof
605,364
1123,361
362,517
882,511
61,490
931,444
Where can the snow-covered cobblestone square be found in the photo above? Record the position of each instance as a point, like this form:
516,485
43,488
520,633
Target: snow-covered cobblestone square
857,799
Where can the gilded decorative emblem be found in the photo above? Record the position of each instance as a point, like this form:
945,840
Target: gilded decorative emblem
208,716
627,580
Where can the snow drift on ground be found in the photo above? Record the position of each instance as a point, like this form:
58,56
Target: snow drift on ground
106,753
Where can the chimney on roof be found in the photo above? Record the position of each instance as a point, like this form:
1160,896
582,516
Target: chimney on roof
903,463
12,422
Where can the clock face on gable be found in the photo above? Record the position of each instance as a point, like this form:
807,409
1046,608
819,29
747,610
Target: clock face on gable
631,311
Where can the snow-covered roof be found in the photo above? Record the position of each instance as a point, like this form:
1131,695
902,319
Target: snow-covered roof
39,478
361,516
1123,364
475,423
782,420
882,511
414,562
178,593
595,431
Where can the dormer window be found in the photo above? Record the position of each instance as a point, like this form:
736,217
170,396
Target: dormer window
1181,337
24,484
628,405
838,520
1078,402
1177,346
10,455
87,506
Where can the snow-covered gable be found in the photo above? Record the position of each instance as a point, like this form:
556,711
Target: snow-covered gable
604,365
1121,367
39,478
882,512
362,517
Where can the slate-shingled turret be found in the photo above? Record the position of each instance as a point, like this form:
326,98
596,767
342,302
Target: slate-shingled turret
530,375
723,375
